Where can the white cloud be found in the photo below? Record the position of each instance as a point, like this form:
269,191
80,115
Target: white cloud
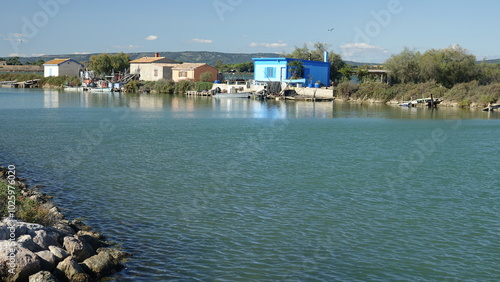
18,37
17,55
197,40
363,52
151,37
269,45
37,55
80,53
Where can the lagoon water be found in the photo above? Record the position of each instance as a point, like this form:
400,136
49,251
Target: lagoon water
199,189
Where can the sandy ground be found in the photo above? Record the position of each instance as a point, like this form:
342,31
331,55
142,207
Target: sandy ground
21,68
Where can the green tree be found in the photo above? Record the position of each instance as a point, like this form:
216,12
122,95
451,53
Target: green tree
362,73
346,72
336,64
206,76
13,61
404,67
219,64
316,54
105,64
39,62
488,73
120,62
296,69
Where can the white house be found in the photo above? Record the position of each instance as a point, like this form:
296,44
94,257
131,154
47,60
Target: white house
153,68
58,67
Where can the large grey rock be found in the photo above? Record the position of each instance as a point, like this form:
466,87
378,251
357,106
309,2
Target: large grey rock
27,242
101,265
44,238
16,262
23,228
69,269
43,276
94,239
59,253
8,229
79,249
115,253
47,260
63,226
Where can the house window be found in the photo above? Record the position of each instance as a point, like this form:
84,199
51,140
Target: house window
156,73
270,72
182,73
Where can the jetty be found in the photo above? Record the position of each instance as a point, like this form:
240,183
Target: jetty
33,83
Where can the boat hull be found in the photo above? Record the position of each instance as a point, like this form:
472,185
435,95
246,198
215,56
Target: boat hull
232,95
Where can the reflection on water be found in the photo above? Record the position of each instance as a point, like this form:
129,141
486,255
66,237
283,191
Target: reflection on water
50,99
180,106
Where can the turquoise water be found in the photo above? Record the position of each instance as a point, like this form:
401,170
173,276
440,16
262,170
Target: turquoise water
240,190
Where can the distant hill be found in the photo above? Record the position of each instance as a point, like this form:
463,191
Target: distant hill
495,61
187,57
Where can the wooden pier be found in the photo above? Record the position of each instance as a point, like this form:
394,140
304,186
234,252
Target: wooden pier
22,84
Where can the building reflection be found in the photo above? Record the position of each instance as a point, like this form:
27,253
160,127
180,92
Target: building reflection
50,98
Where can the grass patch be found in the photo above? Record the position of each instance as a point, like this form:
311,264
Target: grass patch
26,209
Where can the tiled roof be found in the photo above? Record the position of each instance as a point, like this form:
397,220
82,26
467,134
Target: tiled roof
189,66
153,60
56,61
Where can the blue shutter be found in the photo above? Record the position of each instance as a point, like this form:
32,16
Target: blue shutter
270,72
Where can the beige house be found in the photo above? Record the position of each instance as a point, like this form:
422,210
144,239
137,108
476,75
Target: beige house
58,67
153,68
192,71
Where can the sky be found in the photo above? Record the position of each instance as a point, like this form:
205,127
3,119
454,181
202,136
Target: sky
358,30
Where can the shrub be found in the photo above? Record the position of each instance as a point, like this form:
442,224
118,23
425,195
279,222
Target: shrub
132,86
183,86
465,103
27,209
201,85
19,76
59,81
206,77
347,89
164,86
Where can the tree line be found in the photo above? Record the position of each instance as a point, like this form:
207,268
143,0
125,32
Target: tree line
447,67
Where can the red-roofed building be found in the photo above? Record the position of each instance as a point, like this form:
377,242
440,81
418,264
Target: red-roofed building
58,67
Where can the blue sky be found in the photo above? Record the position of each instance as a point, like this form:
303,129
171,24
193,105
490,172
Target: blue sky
363,30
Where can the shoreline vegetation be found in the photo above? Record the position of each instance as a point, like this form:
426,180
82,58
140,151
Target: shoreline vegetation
450,74
37,243
464,95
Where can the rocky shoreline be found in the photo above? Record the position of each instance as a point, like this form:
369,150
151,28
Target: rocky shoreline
65,251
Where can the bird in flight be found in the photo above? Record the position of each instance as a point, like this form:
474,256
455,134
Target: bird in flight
331,29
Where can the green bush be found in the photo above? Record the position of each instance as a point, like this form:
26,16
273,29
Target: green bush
132,87
183,86
465,103
27,209
59,81
19,76
202,85
164,86
347,89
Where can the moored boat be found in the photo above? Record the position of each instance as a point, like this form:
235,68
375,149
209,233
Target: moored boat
232,95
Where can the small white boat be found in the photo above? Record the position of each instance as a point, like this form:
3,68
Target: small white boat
232,95
101,90
75,89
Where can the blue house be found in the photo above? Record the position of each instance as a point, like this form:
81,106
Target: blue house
279,69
